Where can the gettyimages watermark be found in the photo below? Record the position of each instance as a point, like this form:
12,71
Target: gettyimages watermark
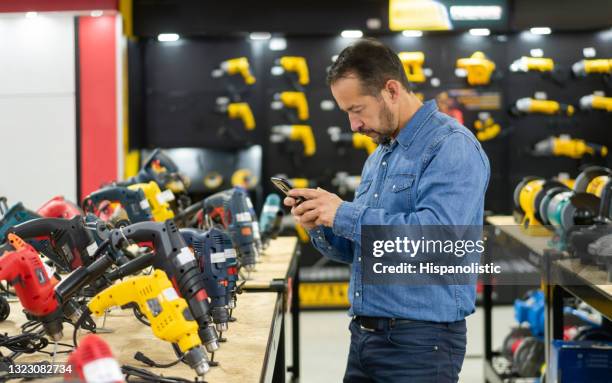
460,255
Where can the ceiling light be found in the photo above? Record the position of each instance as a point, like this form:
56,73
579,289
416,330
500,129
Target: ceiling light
165,37
476,12
540,30
352,34
410,33
480,32
260,35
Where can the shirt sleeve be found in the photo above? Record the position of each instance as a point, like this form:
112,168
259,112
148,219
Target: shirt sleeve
330,245
450,192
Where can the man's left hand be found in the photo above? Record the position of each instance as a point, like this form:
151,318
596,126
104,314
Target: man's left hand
320,205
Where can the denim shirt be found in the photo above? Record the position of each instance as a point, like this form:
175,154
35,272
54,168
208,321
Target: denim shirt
434,172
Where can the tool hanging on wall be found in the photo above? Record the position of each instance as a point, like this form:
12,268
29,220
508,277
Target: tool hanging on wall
532,64
237,111
356,140
293,100
478,68
486,128
166,311
302,133
596,102
297,65
239,65
413,65
594,66
529,105
566,146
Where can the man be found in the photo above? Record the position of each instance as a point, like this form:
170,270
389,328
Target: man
427,170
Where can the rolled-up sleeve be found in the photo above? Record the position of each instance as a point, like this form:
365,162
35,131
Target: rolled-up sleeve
330,245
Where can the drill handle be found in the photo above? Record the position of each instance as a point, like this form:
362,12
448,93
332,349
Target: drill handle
9,266
82,277
119,294
131,267
149,231
40,227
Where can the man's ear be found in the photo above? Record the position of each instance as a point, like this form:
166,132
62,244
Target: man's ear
393,87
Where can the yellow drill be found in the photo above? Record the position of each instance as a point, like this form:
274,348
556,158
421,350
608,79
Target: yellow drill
158,200
596,102
295,100
296,133
413,65
479,69
530,64
239,65
242,111
584,67
568,147
168,314
298,65
532,105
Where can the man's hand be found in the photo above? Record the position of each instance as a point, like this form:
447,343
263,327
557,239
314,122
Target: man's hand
319,208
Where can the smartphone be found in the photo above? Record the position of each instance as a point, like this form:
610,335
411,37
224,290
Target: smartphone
284,186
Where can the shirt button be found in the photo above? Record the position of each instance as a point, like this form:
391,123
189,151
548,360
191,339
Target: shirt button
376,195
357,294
320,237
393,187
359,259
384,163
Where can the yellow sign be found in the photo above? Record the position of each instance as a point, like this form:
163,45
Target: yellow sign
324,295
422,15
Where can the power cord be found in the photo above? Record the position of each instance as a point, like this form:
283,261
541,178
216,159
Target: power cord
143,375
139,356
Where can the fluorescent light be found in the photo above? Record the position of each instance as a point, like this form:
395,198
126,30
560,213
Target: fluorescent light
96,13
410,33
480,32
278,44
476,12
540,31
165,37
352,34
31,15
537,52
260,35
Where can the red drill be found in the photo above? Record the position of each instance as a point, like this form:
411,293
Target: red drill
58,207
93,362
34,285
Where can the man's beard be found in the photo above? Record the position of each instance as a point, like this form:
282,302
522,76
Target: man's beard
386,126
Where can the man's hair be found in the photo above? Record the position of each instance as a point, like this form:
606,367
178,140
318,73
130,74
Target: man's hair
372,62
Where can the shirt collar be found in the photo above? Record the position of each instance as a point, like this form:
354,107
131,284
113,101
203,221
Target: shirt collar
409,131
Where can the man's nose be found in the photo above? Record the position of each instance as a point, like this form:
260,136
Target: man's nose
356,124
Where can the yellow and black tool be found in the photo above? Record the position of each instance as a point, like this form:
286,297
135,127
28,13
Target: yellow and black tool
596,102
158,200
361,141
593,180
239,65
356,140
479,69
525,194
302,133
486,129
242,111
528,105
532,64
213,180
303,183
244,178
585,67
298,65
413,65
166,311
296,100
567,146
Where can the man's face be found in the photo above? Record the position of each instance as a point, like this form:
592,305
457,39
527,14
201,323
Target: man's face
368,115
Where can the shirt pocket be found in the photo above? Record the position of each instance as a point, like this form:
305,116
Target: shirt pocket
398,190
361,190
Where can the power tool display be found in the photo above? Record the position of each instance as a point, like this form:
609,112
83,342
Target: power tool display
486,129
297,65
528,105
595,102
58,207
14,216
229,210
239,111
134,202
532,64
209,249
566,146
173,256
478,67
302,133
34,285
93,362
158,200
586,67
168,313
66,242
413,65
356,140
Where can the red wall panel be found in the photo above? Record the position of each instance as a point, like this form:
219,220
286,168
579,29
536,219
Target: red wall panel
98,101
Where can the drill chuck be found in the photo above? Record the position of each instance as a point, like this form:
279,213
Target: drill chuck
208,335
196,358
220,317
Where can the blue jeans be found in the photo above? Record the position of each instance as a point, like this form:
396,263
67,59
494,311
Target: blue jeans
414,352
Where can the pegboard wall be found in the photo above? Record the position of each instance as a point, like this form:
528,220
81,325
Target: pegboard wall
173,100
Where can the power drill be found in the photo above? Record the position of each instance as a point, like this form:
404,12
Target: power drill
567,146
242,111
413,65
256,231
593,101
298,65
584,67
93,362
158,200
295,100
134,202
209,250
160,168
34,285
531,105
239,65
528,64
168,313
58,207
174,257
66,242
14,216
479,69
271,217
228,210
356,140
302,133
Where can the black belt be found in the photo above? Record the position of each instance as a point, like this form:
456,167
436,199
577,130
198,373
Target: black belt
379,323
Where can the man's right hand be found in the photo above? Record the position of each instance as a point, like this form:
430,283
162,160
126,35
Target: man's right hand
308,225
